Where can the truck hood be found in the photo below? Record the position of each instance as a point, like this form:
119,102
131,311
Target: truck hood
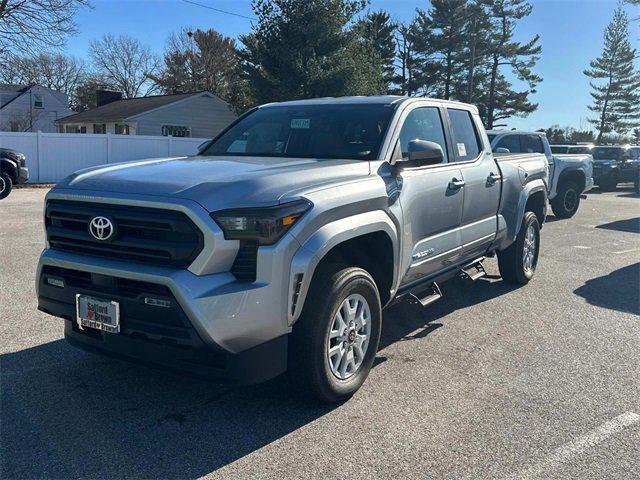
218,182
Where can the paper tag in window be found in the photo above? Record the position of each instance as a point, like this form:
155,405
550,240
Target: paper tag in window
462,150
300,122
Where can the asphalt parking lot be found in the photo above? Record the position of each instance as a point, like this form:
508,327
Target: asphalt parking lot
490,382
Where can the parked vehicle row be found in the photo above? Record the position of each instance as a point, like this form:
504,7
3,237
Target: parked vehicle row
277,246
570,175
13,170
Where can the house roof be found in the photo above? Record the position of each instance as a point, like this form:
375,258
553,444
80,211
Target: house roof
11,87
123,109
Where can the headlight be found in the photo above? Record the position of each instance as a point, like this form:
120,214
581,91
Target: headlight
264,224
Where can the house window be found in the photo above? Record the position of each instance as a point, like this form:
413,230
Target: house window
99,128
38,100
176,131
122,129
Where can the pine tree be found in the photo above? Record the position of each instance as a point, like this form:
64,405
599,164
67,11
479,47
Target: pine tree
405,78
440,42
377,31
308,49
501,100
615,84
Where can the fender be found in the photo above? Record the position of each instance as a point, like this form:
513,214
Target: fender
11,166
312,251
529,189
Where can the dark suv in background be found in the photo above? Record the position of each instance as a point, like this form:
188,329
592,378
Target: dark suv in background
615,164
13,170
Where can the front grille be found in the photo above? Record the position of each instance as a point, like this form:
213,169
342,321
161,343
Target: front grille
138,319
147,235
245,264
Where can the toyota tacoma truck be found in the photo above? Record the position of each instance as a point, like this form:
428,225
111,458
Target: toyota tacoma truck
277,246
570,175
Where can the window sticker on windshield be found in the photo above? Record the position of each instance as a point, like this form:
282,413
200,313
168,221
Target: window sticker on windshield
300,122
462,150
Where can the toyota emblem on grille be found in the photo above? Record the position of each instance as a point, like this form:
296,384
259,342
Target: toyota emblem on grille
101,228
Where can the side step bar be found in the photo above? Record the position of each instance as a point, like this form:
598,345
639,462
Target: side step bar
473,271
428,296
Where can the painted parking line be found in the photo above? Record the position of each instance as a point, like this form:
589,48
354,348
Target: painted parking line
579,445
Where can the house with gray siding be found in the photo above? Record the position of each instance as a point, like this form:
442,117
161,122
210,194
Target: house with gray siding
199,114
29,108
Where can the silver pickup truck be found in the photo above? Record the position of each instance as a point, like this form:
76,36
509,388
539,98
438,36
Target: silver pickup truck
277,246
570,175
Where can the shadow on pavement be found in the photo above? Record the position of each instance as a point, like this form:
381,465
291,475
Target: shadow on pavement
67,413
631,225
620,290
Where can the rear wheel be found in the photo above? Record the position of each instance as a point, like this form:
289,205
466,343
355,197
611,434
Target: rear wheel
518,262
6,184
334,343
567,201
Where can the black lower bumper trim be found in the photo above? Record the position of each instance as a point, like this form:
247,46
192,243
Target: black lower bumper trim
254,365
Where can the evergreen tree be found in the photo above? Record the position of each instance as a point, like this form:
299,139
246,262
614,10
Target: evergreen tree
377,31
440,41
501,100
308,49
615,83
406,77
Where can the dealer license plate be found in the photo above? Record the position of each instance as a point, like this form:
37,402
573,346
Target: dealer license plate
98,313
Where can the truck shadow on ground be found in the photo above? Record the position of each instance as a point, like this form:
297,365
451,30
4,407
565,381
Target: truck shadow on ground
631,225
67,413
618,290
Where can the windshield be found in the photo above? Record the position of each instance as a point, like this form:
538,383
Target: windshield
310,131
607,153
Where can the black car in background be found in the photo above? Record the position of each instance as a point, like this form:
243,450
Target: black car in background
615,164
13,170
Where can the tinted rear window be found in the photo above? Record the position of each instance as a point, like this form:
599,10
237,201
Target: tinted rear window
310,131
466,142
607,153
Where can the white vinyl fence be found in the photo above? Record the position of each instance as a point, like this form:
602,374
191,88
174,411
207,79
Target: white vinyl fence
53,156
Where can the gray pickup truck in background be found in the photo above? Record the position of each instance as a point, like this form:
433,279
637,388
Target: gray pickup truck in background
570,175
277,246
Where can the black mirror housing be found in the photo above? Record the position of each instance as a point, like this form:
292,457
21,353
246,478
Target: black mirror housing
422,152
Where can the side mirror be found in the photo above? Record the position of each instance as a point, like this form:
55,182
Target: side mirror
502,150
422,152
202,146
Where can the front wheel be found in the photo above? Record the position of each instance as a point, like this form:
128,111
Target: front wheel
5,185
517,263
334,343
567,201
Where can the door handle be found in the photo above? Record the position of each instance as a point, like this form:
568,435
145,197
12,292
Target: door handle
493,178
456,184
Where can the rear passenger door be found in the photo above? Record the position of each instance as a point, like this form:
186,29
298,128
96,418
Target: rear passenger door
482,182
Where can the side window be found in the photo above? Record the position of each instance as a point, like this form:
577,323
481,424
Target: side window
423,123
510,142
534,144
466,142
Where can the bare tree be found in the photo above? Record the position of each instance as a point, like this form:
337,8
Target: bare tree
58,72
126,64
30,26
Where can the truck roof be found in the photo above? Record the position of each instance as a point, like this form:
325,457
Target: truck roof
517,132
372,100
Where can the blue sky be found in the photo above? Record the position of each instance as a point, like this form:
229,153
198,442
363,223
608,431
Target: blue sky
571,35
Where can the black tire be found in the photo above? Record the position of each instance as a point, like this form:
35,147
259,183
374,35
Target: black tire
6,184
308,358
567,201
608,184
511,260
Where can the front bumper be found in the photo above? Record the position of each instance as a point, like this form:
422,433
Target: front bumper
23,175
152,335
588,185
